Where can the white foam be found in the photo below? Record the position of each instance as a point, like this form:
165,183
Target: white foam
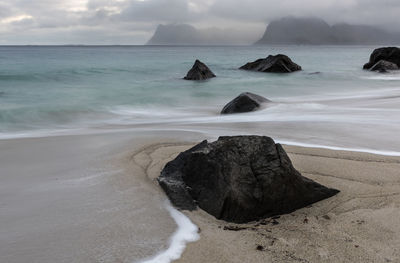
385,77
186,232
335,148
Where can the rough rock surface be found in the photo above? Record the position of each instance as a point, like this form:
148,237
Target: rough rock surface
384,66
245,102
390,54
239,179
275,64
199,71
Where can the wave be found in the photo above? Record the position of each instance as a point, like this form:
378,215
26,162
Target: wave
187,232
19,77
61,74
335,148
391,77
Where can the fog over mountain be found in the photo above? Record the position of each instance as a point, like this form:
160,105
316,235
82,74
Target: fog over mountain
184,34
287,30
315,31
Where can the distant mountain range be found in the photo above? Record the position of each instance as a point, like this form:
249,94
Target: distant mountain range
314,31
288,30
183,34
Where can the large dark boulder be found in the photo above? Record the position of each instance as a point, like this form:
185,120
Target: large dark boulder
275,64
384,66
199,71
245,102
390,54
239,179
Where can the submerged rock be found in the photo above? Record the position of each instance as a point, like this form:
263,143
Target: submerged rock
389,54
384,66
275,64
245,102
239,179
199,71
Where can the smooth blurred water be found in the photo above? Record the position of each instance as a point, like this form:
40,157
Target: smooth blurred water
62,88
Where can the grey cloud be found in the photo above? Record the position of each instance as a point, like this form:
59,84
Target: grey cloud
6,9
175,11
136,20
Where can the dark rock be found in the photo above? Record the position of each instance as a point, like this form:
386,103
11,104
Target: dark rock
199,71
259,247
245,102
274,222
234,228
275,64
390,54
384,66
239,179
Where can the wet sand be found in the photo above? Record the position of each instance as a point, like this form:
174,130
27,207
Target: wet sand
360,224
94,198
80,199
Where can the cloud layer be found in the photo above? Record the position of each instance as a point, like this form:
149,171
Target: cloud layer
133,21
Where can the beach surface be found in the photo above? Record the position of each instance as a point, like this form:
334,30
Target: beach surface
94,198
80,198
360,224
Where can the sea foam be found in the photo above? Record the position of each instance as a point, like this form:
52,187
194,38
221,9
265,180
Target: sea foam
335,148
187,232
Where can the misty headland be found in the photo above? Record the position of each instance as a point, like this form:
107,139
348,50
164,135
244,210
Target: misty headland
286,31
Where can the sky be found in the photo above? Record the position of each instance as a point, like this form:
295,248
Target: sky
134,21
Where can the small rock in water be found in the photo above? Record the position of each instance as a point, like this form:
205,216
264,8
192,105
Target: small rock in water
245,102
384,66
273,64
199,71
388,54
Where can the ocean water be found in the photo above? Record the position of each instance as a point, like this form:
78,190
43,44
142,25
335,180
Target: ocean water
332,102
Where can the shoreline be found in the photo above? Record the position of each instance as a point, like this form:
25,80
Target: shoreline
151,128
137,158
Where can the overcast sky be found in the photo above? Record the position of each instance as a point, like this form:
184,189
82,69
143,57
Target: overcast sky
134,21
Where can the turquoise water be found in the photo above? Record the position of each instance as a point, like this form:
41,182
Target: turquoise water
67,88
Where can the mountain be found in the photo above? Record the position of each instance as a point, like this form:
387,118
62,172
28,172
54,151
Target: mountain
315,31
174,34
184,34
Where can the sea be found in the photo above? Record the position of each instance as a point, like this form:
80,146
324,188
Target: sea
48,91
333,102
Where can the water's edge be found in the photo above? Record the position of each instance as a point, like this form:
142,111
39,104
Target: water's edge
186,232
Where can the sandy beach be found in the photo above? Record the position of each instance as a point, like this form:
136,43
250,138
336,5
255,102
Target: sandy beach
74,198
360,224
94,198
